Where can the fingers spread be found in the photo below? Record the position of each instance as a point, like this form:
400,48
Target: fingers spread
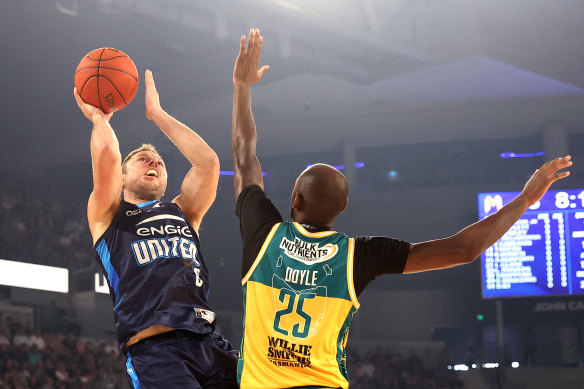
554,165
242,45
558,176
251,42
263,70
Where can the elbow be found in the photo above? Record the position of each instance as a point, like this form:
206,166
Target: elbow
242,142
471,251
213,162
466,250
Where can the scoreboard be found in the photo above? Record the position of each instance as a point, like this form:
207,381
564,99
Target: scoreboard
542,254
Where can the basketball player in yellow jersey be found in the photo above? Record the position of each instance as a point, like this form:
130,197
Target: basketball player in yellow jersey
302,280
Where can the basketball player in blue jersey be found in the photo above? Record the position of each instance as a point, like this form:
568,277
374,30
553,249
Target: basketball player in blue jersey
302,280
151,254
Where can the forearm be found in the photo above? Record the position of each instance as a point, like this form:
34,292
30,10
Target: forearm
468,244
190,144
471,242
104,143
244,135
246,166
107,176
481,235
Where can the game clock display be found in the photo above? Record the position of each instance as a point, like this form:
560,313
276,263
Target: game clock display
543,253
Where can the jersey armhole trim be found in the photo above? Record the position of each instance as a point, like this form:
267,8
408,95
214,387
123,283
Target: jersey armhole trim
260,254
350,282
309,234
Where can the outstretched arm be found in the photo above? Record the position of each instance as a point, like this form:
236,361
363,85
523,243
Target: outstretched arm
107,171
469,244
199,187
246,165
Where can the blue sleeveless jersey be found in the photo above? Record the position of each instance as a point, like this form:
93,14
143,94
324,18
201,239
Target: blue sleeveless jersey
156,273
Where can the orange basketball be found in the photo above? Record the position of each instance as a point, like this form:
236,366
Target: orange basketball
107,78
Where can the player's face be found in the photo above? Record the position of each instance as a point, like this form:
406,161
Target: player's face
146,176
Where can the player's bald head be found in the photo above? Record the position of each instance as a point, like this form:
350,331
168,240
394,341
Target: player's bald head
323,190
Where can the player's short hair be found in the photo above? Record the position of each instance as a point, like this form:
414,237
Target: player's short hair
144,147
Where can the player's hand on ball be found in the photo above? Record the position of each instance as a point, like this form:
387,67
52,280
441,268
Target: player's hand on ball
92,113
152,99
543,177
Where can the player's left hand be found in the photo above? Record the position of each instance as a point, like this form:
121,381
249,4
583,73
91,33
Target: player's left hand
246,65
152,99
543,177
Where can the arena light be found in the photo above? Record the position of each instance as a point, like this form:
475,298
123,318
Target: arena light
490,365
460,367
232,173
31,276
521,155
515,365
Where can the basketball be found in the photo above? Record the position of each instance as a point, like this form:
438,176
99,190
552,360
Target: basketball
106,78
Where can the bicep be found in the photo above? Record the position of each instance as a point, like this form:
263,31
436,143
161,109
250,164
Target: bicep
257,215
107,189
198,192
377,255
247,172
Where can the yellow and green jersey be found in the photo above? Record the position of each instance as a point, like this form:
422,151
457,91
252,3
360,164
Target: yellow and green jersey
299,301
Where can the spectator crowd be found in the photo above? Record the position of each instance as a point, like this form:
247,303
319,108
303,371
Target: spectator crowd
50,229
384,368
32,359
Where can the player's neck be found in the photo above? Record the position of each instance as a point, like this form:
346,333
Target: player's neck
313,226
131,198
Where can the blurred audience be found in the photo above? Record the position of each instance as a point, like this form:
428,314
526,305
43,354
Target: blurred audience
31,359
49,230
384,368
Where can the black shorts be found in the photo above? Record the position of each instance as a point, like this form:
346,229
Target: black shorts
182,359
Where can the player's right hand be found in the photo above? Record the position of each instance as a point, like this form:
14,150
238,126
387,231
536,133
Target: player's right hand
246,65
543,177
152,98
92,113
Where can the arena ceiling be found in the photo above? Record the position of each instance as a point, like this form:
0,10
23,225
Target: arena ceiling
343,72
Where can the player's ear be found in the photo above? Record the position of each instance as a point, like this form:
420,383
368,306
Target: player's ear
297,201
345,206
123,181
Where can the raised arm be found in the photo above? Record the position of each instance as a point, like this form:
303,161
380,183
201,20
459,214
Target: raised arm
246,165
469,244
107,170
199,187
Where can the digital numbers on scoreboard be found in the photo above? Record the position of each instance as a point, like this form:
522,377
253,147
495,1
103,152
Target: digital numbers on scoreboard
543,253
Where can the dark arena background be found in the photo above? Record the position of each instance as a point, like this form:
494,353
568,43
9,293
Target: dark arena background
424,104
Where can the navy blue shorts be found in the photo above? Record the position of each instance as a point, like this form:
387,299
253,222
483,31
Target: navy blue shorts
182,359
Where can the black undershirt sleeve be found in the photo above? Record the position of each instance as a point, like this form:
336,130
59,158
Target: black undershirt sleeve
257,215
373,256
377,255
